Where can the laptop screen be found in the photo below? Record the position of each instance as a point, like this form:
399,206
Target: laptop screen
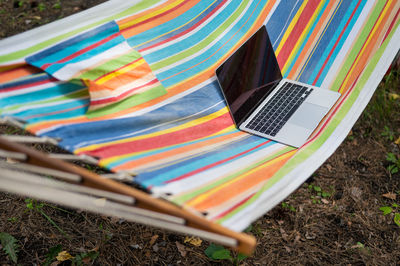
249,75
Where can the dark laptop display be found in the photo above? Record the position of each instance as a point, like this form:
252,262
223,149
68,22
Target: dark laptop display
247,77
262,103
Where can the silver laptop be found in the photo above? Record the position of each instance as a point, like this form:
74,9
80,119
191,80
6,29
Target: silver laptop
261,102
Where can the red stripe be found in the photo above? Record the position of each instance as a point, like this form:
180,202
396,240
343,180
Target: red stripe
237,205
85,50
297,31
214,164
113,99
155,17
187,30
188,134
115,70
336,43
29,85
391,25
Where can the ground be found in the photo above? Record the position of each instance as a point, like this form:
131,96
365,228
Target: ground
336,217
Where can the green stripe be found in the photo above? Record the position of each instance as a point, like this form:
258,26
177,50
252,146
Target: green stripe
23,53
213,36
110,65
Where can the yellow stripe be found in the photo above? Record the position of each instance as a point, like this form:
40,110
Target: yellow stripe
175,28
158,133
371,36
303,36
120,71
150,15
290,28
320,38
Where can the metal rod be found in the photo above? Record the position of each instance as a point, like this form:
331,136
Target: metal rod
13,155
73,157
44,171
30,139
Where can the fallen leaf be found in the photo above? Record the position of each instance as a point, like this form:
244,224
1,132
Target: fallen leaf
284,234
397,141
195,241
63,256
389,195
325,201
394,96
153,240
181,249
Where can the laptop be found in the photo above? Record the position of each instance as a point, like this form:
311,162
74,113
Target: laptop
262,103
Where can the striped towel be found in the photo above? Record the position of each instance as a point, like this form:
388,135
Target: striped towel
116,75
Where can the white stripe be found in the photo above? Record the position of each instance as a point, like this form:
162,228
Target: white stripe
29,89
70,70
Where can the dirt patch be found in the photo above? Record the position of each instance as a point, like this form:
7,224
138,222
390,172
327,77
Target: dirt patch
334,218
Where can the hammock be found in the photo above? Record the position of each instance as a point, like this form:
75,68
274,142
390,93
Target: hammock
170,128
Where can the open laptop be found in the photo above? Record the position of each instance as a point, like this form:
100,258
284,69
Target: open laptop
264,104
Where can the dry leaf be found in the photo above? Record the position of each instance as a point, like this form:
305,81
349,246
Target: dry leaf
390,195
195,241
181,249
325,201
397,141
63,256
394,96
153,240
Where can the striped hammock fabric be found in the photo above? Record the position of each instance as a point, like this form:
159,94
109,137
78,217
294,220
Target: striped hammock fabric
183,144
112,71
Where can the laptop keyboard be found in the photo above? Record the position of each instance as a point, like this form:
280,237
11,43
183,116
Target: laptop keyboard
277,111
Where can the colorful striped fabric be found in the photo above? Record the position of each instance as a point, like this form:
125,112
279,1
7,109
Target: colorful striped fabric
116,75
183,145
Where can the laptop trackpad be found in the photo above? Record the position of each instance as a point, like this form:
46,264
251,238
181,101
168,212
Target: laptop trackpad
308,115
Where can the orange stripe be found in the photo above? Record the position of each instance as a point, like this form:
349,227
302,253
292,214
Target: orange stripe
125,78
241,185
18,72
310,43
156,22
163,155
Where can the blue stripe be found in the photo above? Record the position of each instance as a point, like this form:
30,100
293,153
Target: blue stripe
71,46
